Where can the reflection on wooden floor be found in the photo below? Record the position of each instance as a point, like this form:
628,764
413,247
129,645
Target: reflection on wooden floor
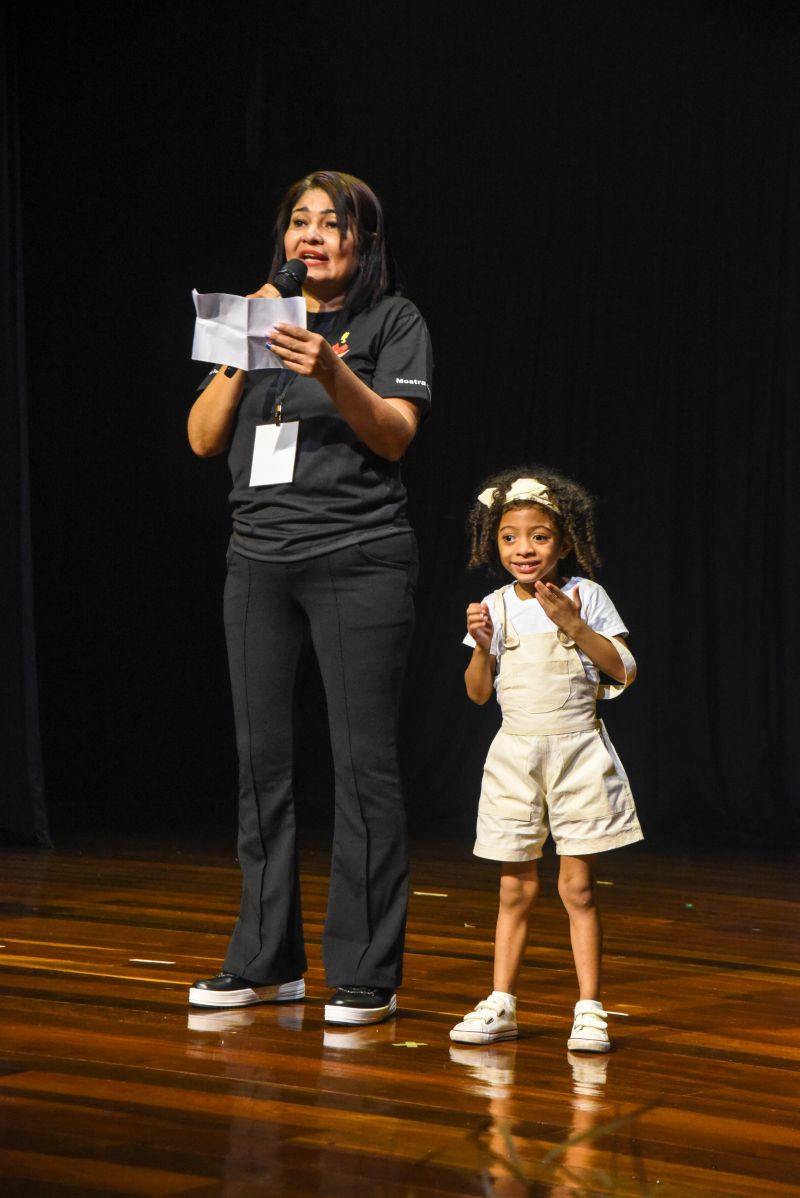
110,1085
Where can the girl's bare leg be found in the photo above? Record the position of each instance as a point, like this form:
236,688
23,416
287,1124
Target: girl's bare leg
519,888
576,885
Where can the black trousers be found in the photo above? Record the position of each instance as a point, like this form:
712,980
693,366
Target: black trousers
358,605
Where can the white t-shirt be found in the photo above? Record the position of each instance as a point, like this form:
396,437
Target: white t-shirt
527,615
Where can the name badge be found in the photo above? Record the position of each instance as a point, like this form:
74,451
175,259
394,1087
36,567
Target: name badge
274,453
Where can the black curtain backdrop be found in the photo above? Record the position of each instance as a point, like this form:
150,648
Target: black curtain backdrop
23,813
594,204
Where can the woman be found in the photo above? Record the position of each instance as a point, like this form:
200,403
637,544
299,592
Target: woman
332,551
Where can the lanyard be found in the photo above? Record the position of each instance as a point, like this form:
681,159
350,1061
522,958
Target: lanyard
283,386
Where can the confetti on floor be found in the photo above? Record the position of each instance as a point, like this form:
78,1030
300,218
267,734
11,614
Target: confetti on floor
430,894
147,961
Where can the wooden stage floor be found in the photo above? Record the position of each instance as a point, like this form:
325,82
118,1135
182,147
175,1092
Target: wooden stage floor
110,1084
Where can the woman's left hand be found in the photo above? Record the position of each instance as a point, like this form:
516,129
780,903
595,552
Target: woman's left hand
385,424
301,351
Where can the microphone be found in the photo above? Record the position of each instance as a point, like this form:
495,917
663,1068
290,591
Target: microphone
290,278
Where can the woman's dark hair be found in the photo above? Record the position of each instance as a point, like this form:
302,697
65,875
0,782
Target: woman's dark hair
359,210
574,519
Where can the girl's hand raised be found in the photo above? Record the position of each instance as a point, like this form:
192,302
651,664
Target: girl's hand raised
301,351
564,610
479,625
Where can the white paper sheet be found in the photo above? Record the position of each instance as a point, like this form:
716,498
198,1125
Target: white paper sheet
233,329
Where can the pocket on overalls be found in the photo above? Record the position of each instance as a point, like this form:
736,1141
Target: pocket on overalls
588,780
536,677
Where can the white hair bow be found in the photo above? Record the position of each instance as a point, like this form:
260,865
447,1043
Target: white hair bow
521,488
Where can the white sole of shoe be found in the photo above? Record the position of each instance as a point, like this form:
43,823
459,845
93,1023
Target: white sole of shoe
482,1037
357,1016
249,995
577,1045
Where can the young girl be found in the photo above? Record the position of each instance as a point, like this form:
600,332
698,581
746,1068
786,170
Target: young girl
542,641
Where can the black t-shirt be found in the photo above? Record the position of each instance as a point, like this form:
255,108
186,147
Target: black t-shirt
342,493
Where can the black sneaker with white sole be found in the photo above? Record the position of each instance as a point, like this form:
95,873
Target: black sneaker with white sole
229,990
360,1004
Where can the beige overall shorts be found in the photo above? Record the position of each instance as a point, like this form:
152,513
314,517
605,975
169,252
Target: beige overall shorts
551,767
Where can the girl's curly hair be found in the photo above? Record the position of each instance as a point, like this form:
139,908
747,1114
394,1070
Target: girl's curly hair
574,520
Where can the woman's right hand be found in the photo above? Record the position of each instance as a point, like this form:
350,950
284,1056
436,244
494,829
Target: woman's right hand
265,292
479,625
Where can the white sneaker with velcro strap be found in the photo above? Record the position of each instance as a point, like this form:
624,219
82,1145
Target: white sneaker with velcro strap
589,1032
493,1019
